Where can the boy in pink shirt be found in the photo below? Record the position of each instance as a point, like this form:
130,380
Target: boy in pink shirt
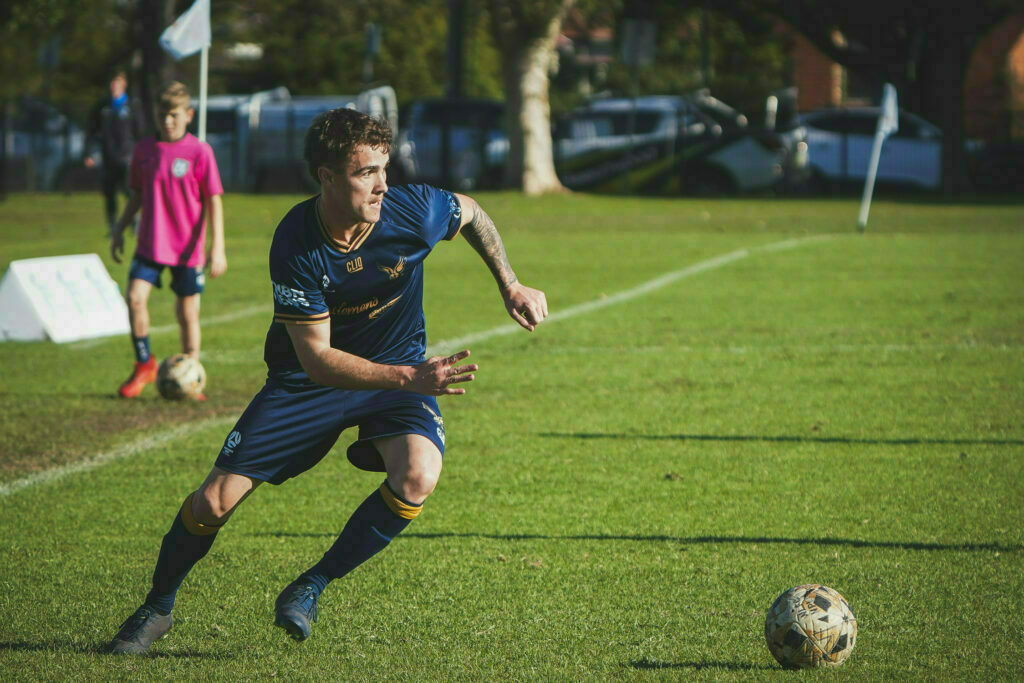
175,181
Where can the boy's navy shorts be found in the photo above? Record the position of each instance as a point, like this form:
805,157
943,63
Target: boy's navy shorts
288,429
185,280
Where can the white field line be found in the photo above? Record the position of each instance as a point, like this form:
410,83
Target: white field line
140,445
162,329
450,345
444,346
796,348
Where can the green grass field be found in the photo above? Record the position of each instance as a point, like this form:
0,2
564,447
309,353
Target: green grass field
732,397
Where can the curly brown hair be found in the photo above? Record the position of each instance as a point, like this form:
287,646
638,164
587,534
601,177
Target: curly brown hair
334,134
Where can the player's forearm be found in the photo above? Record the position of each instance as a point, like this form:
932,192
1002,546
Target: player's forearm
483,236
216,216
130,209
335,368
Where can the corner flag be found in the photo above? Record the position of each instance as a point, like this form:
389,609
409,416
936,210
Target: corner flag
888,123
189,33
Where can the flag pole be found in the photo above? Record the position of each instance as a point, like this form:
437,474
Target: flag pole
869,184
888,123
204,66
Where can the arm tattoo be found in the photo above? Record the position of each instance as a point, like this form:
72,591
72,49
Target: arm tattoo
483,236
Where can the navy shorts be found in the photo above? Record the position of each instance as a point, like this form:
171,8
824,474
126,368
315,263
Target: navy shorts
185,280
288,429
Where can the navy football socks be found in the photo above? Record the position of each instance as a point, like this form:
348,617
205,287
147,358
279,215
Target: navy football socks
141,346
179,552
381,517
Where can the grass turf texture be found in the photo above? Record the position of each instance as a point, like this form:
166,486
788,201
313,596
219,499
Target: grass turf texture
626,490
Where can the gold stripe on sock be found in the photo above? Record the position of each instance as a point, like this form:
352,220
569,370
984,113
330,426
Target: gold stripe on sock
397,505
192,525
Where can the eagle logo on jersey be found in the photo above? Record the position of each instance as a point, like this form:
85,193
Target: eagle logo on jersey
396,272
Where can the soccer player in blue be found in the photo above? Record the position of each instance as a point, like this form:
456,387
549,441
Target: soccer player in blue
346,349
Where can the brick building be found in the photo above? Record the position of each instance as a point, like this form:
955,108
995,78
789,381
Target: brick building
993,87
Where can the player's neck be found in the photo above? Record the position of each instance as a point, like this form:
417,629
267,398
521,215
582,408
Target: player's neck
343,228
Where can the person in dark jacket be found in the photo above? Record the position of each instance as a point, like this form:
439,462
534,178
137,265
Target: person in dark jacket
117,123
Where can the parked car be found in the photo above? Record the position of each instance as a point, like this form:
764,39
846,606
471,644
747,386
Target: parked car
257,138
839,143
667,144
39,146
477,143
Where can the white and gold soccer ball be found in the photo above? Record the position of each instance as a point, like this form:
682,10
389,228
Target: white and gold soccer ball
180,377
809,626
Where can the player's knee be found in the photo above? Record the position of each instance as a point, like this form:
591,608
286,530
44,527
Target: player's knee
210,507
136,300
418,483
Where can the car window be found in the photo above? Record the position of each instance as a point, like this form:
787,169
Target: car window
909,128
833,123
607,124
480,116
863,123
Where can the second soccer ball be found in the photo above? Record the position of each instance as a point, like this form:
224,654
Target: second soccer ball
181,377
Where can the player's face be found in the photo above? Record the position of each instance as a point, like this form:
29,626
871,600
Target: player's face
363,185
173,123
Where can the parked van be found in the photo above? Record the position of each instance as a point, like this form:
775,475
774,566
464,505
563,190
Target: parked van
257,139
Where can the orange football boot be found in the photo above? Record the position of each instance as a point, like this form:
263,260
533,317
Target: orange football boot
143,374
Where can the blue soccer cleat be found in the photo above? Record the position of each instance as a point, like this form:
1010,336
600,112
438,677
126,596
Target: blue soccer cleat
296,608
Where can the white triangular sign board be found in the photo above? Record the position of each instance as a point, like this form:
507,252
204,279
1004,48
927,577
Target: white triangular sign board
61,298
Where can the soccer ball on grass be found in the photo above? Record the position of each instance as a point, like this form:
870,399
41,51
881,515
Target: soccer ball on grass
180,377
809,626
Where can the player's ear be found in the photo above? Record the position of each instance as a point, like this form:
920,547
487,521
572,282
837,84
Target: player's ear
325,175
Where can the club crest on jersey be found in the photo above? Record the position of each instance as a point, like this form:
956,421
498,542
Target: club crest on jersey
179,168
355,265
394,272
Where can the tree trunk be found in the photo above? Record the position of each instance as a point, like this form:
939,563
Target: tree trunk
526,60
941,90
152,18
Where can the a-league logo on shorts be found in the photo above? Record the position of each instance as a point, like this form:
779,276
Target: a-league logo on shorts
179,168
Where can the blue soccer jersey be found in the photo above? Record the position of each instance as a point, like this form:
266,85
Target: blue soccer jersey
370,290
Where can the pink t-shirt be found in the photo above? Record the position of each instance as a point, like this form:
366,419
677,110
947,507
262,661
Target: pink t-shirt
174,178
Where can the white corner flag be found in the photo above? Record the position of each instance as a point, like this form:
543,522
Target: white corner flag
888,123
190,33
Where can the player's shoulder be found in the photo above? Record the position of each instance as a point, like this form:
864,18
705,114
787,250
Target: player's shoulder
292,231
415,201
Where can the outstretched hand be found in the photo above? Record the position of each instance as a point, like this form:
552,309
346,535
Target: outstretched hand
435,375
116,245
526,305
